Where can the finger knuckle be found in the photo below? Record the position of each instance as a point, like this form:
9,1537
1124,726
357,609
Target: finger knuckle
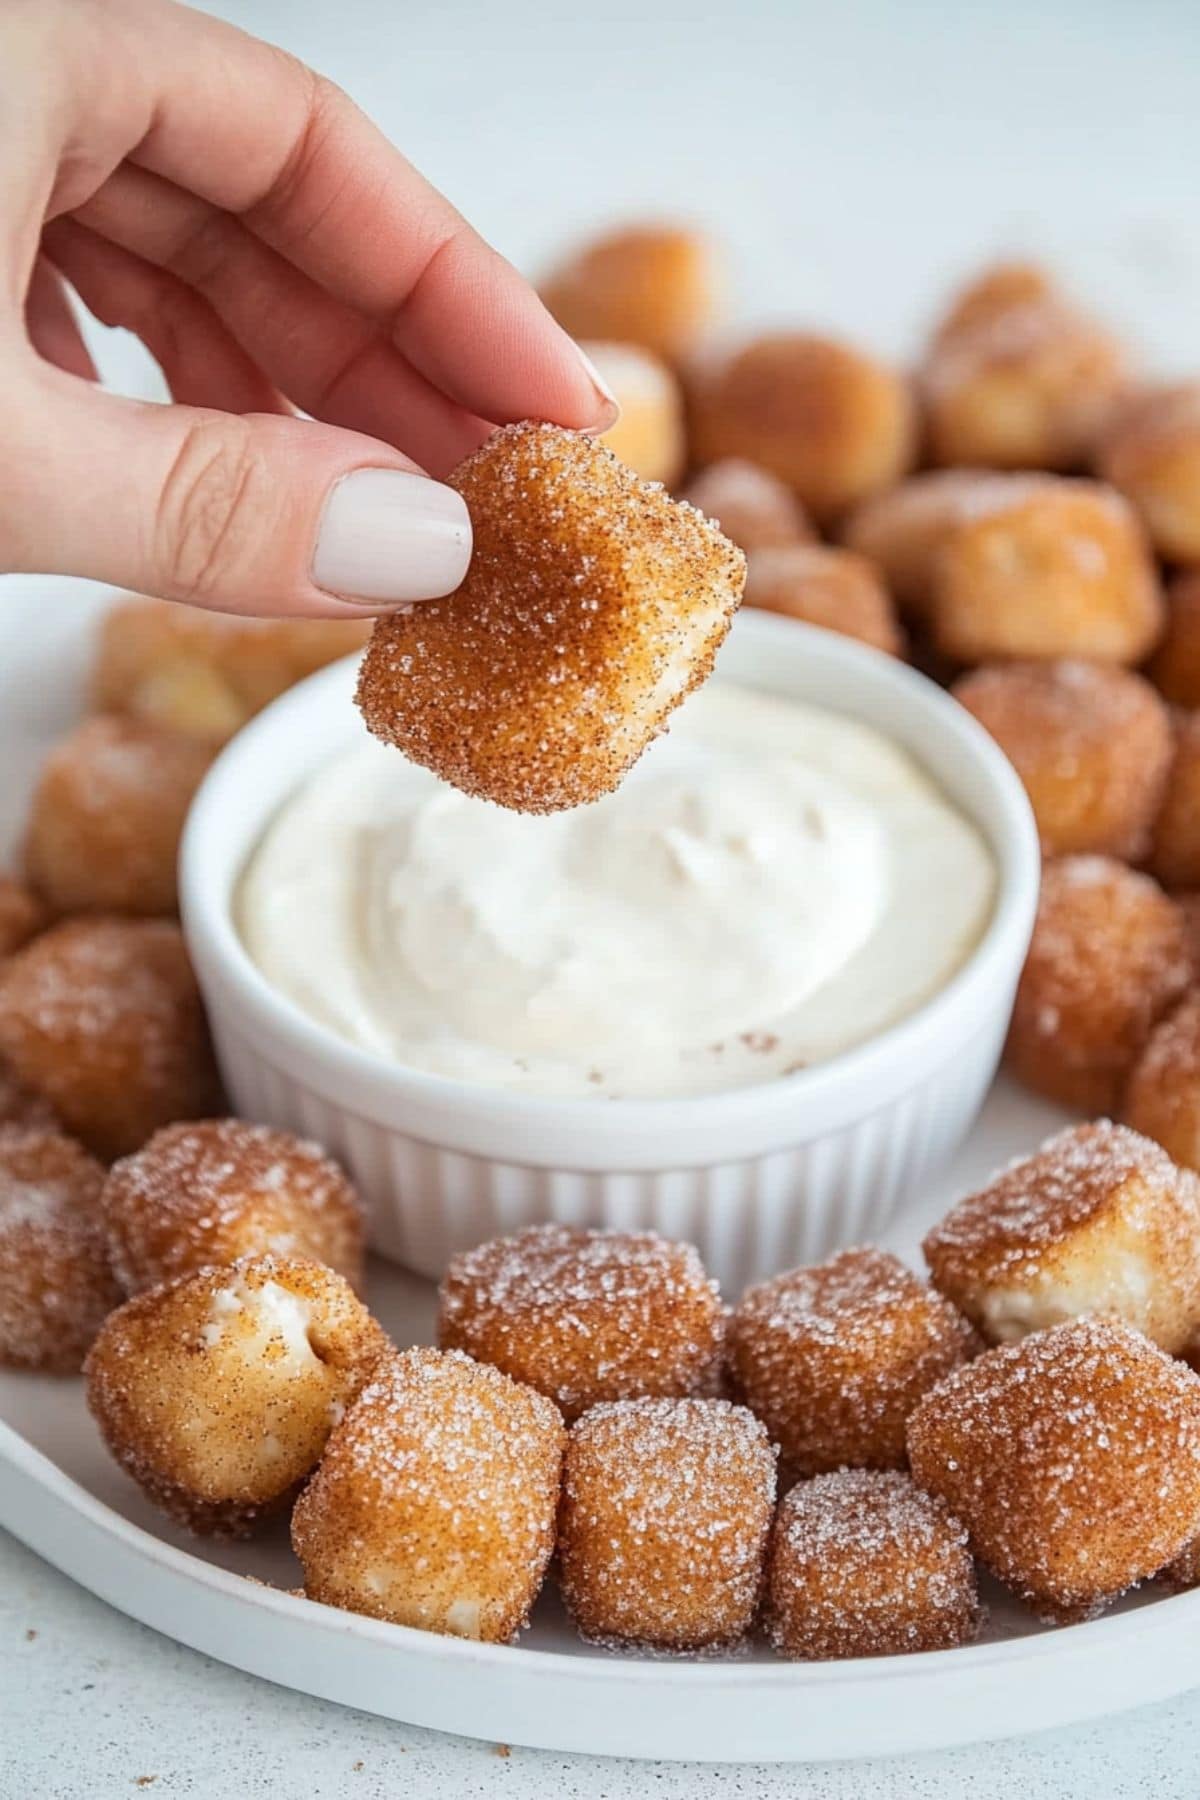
203,518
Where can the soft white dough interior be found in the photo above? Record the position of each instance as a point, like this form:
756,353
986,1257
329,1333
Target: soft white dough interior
262,1313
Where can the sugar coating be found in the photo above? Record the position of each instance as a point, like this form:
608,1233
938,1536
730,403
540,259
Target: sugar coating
1152,453
220,1189
1175,854
864,1563
103,1016
833,1358
1110,956
434,1503
107,814
1099,1220
22,915
1162,1097
217,1391
830,421
1073,1459
822,585
1175,666
205,673
1062,571
752,507
664,1521
56,1287
593,605
651,285
1091,744
586,1316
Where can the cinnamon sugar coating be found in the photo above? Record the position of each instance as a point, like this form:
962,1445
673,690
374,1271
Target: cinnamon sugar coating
752,507
1098,1220
665,1515
56,1287
216,1190
1110,955
216,1392
103,1017
586,1316
593,605
864,1563
107,814
1162,1098
435,1500
653,285
833,1358
826,418
822,585
1152,453
1092,746
1072,1458
22,915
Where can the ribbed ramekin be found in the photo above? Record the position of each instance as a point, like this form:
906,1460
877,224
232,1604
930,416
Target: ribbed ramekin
760,1177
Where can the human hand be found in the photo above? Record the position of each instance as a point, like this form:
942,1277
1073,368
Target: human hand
273,251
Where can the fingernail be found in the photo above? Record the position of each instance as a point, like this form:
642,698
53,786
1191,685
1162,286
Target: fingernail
609,404
390,536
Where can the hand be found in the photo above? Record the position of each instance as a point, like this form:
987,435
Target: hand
273,251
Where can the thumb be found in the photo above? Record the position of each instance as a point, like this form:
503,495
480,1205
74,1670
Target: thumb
250,513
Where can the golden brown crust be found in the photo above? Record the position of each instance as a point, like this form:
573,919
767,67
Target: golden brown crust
217,1190
663,1528
1073,1459
752,507
1175,666
821,585
1097,1221
1110,955
1092,746
864,1563
434,1503
652,285
1152,453
834,1358
903,529
216,1392
22,915
593,605
1175,856
829,420
586,1316
103,1017
56,1287
1055,568
107,815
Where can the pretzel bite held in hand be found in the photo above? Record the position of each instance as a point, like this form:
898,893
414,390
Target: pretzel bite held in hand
864,1563
217,1392
821,585
56,1287
1092,746
1019,378
834,1358
663,1527
1110,956
826,418
752,507
653,285
1099,1220
593,605
22,915
103,1017
649,435
107,815
1152,453
217,1190
1072,1458
585,1316
1046,568
435,1500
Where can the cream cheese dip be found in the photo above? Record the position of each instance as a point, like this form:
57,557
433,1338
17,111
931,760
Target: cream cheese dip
771,885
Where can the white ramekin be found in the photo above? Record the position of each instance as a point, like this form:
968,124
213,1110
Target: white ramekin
759,1178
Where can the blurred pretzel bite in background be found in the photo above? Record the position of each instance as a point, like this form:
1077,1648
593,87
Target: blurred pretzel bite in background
1017,376
820,584
56,1287
1110,955
1163,1095
1175,854
1152,453
1100,1220
1175,666
651,285
649,435
1073,1460
752,507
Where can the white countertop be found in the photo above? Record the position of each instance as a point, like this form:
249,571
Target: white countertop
854,158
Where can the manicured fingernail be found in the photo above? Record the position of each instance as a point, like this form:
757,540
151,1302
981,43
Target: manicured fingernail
610,410
390,536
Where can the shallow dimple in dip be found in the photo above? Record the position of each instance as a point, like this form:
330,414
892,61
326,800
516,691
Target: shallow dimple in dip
772,885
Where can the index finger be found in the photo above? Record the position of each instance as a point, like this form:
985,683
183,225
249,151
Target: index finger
256,132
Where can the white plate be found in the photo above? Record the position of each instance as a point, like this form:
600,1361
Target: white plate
61,1494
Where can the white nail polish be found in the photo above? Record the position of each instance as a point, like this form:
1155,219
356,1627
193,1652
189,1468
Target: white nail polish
388,535
602,388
